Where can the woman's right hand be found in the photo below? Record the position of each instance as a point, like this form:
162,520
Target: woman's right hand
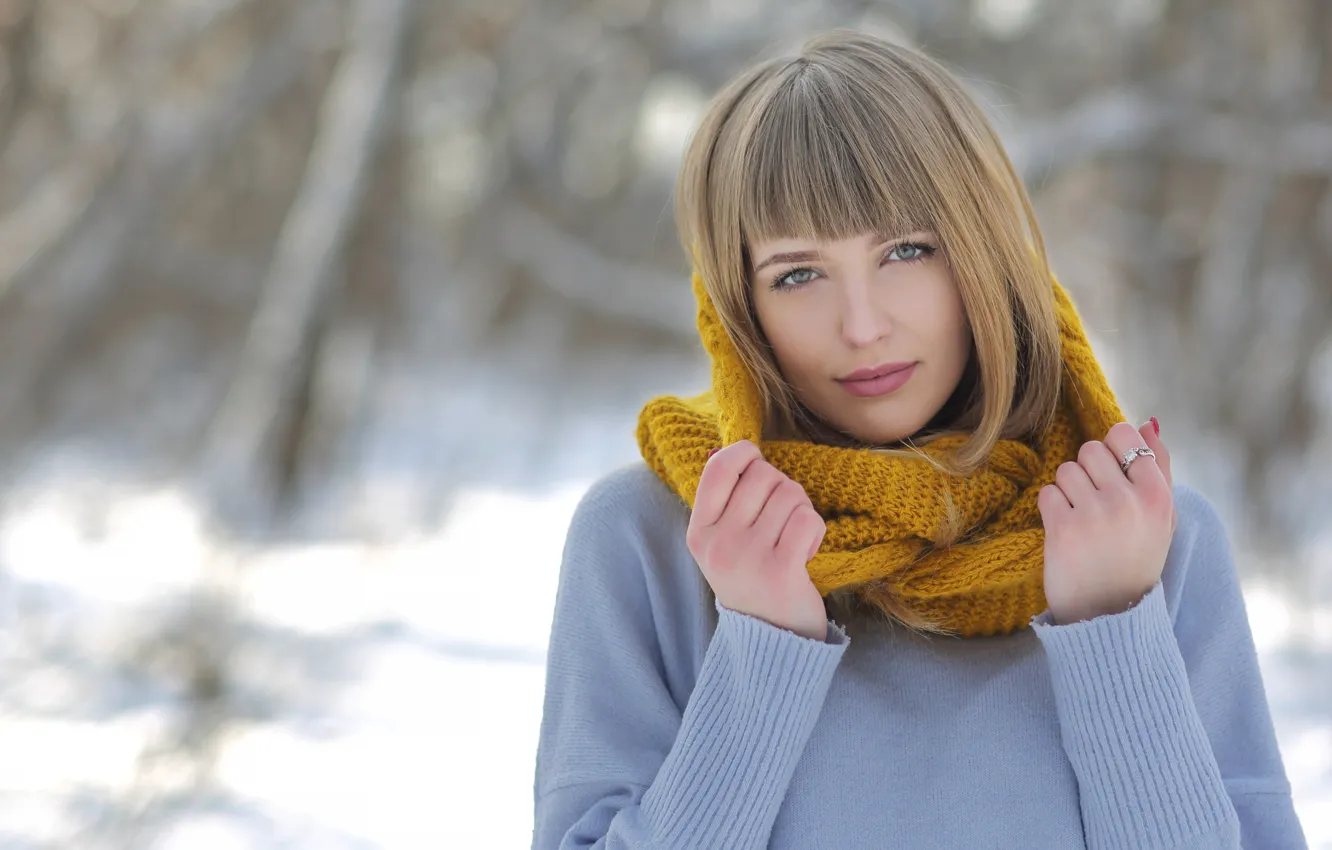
752,531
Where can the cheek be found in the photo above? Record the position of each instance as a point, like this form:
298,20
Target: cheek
791,338
951,318
960,330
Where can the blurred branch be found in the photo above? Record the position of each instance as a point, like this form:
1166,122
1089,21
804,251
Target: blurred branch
1302,145
87,267
19,51
52,211
1121,121
712,54
310,247
341,374
1234,239
1112,121
165,41
603,286
39,226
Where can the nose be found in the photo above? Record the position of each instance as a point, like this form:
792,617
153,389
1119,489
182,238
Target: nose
862,322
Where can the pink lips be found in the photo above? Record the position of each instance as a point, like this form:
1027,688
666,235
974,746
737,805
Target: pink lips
878,380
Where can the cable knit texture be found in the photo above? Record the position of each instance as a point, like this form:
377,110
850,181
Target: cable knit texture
883,511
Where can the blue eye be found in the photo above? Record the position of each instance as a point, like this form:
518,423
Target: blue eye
910,252
904,252
793,278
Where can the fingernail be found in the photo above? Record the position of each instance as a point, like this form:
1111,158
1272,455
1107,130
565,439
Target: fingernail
713,452
1156,426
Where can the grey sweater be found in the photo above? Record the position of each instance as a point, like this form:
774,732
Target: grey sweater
669,723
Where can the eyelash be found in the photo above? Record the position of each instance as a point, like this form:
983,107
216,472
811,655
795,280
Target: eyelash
926,251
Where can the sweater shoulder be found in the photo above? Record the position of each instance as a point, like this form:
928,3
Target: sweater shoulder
1200,567
631,491
626,549
631,522
1195,508
1199,528
631,501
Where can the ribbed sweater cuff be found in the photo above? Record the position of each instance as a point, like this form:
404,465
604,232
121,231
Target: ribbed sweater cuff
1146,773
759,692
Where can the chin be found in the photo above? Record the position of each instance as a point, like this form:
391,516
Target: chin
889,436
881,422
878,433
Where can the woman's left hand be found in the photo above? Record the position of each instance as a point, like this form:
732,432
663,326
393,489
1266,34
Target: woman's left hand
1107,533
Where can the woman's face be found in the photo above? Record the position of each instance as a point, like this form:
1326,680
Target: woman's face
835,312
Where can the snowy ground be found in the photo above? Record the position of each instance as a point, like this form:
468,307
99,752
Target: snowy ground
400,707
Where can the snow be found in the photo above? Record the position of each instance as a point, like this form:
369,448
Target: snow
394,697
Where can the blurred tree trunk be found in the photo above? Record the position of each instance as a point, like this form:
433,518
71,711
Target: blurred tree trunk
1226,241
207,268
277,359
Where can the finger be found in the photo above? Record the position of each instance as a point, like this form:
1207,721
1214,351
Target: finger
1074,482
1143,470
720,475
1099,462
1052,503
784,501
817,541
751,493
1152,438
802,535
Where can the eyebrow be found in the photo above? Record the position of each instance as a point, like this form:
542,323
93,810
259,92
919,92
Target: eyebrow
811,256
792,257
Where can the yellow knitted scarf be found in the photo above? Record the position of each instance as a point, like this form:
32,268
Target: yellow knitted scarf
882,510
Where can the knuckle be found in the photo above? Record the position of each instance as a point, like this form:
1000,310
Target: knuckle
1158,495
802,520
790,489
759,471
735,454
745,450
818,529
693,538
1090,449
1125,431
706,484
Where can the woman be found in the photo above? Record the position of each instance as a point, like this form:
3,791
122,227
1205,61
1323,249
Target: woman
904,577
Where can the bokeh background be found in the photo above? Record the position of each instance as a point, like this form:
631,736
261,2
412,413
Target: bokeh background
317,316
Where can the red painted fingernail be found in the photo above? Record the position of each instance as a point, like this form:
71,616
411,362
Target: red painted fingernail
713,452
1156,426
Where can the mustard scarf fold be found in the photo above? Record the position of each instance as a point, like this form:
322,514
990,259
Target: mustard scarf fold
881,511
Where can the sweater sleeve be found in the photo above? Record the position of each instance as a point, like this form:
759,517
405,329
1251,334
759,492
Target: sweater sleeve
1164,716
619,763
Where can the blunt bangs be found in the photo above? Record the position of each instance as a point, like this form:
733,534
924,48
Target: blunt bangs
828,159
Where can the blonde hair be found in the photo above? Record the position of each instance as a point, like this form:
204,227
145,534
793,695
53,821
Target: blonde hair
858,135
855,135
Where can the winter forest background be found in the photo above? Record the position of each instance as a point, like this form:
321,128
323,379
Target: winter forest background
317,316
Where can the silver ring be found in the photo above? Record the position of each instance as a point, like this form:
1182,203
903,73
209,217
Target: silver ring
1132,454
